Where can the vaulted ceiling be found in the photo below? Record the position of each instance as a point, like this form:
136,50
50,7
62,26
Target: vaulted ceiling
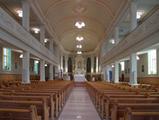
98,16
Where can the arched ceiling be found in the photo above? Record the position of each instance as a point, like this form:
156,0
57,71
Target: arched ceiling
98,15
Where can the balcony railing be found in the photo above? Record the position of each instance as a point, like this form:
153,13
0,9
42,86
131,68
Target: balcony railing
11,26
135,40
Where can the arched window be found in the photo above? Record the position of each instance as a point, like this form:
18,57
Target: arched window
69,65
152,62
63,62
88,65
7,59
94,65
36,66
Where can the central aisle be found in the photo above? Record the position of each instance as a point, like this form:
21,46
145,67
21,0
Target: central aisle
79,106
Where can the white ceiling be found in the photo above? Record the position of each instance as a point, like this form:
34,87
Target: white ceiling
98,15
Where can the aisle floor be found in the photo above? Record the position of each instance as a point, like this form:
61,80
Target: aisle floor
79,106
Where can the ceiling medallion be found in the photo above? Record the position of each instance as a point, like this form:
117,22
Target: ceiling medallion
80,9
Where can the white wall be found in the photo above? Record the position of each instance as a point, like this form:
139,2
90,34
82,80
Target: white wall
142,62
16,67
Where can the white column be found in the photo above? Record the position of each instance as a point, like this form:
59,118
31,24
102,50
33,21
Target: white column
42,34
66,64
116,35
97,66
92,64
56,72
61,62
26,15
55,49
42,70
133,19
113,73
107,73
116,79
133,69
103,71
25,68
50,72
51,45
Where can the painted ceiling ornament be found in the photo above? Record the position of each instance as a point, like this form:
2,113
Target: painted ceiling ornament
80,9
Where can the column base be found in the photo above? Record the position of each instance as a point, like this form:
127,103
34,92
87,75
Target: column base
42,80
26,82
134,85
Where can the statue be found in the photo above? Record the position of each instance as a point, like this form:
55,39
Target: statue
79,65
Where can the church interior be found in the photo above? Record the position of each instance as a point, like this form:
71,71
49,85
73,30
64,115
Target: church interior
79,60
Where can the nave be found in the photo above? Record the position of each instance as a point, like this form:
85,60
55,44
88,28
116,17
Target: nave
63,100
47,46
79,106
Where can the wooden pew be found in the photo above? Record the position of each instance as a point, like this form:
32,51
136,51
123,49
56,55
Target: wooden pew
150,114
43,99
117,111
109,99
56,93
51,99
19,113
42,107
104,96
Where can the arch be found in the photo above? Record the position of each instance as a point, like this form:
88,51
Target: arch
69,65
88,70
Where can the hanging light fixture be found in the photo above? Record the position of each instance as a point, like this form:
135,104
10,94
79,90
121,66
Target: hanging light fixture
46,40
112,41
137,57
36,30
79,38
79,46
21,56
79,52
80,24
19,12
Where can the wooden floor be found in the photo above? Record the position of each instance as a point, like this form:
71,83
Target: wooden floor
79,106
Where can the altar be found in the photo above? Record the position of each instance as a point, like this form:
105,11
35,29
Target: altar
79,72
79,78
